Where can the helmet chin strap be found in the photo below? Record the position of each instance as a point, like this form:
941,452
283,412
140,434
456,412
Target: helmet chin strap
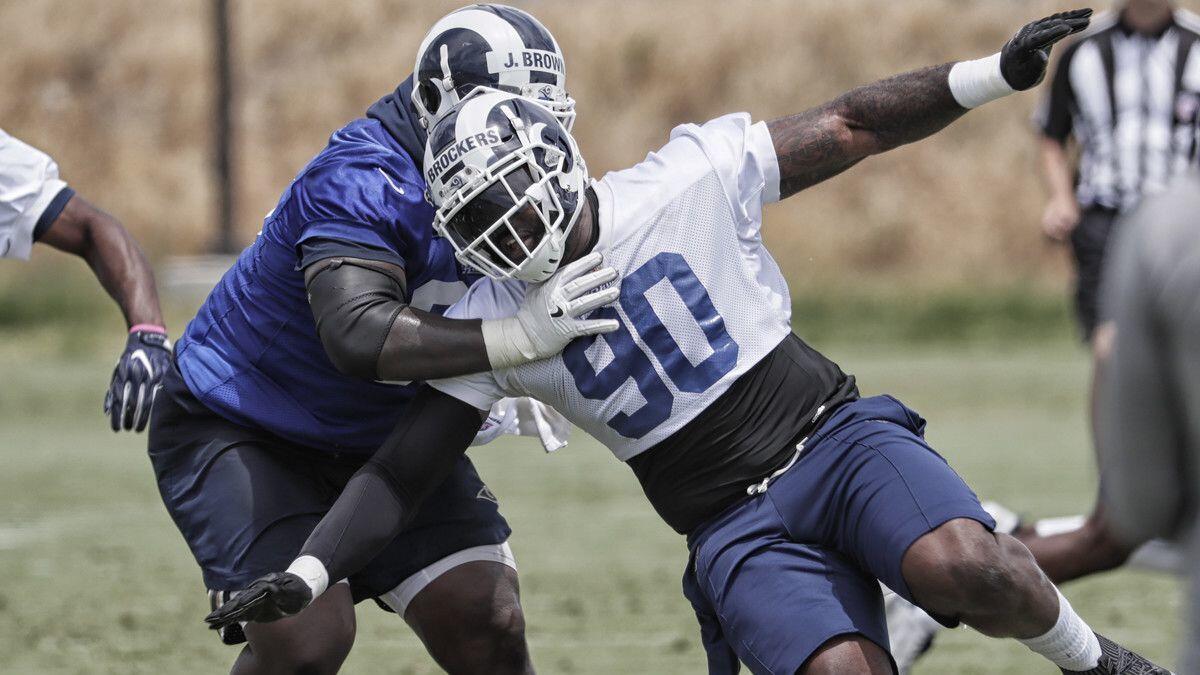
538,268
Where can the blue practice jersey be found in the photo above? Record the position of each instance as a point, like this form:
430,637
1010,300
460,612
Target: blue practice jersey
252,353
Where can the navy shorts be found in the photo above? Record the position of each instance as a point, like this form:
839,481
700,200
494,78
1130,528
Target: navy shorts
777,575
246,500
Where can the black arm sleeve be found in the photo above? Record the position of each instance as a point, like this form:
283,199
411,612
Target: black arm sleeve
369,330
381,498
355,307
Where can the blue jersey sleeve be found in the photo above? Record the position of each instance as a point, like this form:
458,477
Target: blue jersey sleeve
346,207
315,249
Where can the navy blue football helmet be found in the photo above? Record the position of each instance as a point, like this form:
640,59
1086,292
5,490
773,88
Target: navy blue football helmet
492,46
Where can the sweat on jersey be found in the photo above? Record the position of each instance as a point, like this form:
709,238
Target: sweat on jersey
31,196
252,354
702,303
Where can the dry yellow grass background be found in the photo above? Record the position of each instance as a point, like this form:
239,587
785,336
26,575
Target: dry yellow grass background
119,92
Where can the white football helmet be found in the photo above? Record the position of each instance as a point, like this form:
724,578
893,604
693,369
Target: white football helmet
507,180
494,46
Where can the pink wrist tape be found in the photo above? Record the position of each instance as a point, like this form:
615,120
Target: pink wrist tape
148,328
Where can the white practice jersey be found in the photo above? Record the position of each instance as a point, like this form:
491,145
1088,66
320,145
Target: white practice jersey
702,301
29,189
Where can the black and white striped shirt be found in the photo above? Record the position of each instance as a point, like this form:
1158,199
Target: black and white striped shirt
1131,102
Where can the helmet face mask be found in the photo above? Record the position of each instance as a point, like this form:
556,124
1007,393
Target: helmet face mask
493,46
508,215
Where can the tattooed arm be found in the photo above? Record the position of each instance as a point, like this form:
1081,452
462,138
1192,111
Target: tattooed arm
821,143
818,144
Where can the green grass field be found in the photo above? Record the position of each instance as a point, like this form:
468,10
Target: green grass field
97,580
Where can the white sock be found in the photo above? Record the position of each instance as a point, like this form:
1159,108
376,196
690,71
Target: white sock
1158,555
1048,527
1070,644
1006,519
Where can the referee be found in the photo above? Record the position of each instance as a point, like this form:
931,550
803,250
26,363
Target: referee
1127,91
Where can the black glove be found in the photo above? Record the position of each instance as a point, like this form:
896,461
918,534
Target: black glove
136,380
1023,60
268,598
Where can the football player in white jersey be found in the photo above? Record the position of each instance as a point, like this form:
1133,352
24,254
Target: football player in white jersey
37,206
795,494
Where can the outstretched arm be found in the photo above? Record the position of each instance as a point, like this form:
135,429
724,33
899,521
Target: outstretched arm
375,506
381,498
369,330
822,142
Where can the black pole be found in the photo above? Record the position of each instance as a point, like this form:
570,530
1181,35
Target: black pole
223,129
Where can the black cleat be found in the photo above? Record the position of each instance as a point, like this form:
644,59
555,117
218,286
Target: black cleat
1117,660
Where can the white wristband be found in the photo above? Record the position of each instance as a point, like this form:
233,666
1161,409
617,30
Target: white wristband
313,572
507,343
974,83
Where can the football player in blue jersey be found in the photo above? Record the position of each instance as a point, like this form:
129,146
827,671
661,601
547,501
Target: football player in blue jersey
298,365
796,495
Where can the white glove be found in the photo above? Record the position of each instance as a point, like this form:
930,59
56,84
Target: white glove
535,418
549,319
525,417
501,419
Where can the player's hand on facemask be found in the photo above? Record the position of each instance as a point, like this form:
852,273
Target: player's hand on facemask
1023,60
268,598
552,315
136,379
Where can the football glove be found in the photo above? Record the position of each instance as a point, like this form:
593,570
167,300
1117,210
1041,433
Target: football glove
136,379
268,598
1023,59
550,317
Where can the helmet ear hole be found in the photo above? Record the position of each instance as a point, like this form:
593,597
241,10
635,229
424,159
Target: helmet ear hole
430,96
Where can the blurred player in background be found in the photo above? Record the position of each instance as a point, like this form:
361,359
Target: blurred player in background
36,206
298,365
795,494
1149,432
1128,93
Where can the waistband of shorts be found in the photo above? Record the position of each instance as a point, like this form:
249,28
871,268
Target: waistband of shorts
884,407
190,412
